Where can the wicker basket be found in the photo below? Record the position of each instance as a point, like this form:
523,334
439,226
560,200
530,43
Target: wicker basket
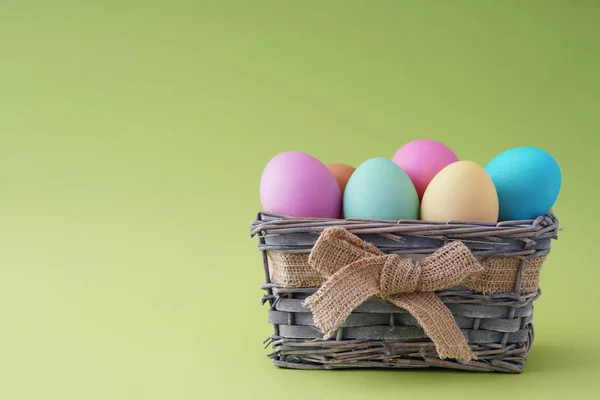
495,320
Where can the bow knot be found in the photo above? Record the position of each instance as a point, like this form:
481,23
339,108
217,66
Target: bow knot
358,270
399,275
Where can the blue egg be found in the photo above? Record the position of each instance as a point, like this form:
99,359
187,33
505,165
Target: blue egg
527,180
379,189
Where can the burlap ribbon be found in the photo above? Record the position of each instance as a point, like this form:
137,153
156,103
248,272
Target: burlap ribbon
358,270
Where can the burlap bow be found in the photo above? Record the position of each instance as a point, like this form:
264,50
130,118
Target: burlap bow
358,270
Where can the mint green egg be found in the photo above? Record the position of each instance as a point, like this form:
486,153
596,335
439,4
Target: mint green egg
380,189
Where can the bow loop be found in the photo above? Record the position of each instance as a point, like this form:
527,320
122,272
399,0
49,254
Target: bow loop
358,270
447,267
337,248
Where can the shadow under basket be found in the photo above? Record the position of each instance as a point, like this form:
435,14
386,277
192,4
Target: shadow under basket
492,308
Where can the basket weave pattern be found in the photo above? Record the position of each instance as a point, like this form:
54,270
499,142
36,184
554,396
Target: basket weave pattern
493,309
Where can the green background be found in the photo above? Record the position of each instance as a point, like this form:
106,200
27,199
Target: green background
133,135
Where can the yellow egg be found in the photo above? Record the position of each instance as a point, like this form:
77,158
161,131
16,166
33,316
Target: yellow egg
461,191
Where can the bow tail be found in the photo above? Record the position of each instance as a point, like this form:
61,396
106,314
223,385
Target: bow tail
343,292
437,322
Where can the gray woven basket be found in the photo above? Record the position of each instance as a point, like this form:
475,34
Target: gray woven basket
378,334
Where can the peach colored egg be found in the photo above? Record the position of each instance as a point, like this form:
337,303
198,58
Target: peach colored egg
461,191
342,173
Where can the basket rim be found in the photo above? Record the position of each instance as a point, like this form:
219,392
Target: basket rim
544,226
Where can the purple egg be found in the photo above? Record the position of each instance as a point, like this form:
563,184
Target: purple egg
297,184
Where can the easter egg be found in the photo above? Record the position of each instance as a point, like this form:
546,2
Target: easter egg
461,191
342,173
296,184
528,181
379,189
422,159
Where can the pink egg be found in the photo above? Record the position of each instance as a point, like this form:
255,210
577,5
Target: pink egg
297,184
422,159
